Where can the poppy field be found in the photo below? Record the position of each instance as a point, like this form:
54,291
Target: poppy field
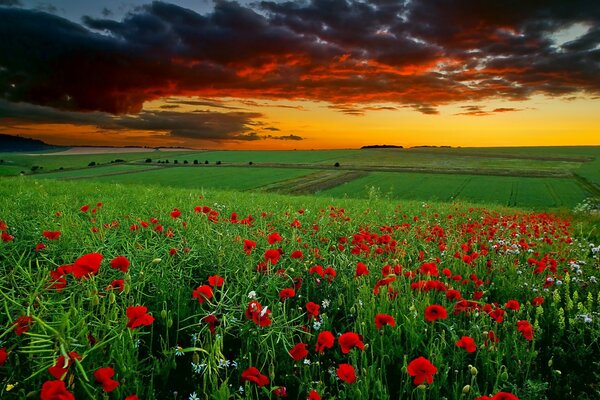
145,292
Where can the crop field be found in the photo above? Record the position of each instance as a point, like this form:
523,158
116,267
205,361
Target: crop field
111,291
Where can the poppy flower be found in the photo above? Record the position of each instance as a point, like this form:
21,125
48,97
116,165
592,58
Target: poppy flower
361,269
249,245
434,312
118,284
313,309
23,323
384,319
422,370
212,322
313,395
202,293
467,343
317,269
252,374
297,254
330,273
281,391
537,301
216,280
504,396
60,367
55,390
325,340
120,262
262,318
40,246
87,265
51,235
132,397
287,293
349,340
274,238
6,237
175,213
104,377
3,356
346,373
526,329
497,314
85,208
512,305
272,256
298,352
138,316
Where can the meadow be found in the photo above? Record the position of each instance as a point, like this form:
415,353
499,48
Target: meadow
540,177
153,292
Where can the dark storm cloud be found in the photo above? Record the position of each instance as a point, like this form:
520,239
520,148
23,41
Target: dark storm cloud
10,3
417,54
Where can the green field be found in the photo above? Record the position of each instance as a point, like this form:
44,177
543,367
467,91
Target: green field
95,171
521,191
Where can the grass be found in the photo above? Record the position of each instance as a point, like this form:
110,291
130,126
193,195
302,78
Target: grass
509,191
489,255
94,171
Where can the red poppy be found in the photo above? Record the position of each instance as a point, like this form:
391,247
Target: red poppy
313,395
40,246
287,293
23,323
504,396
175,213
467,343
272,256
297,254
3,356
346,373
512,305
262,318
298,352
497,314
51,235
281,391
3,225
120,262
104,377
325,340
202,293
422,370
349,340
138,316
452,294
537,301
384,319
249,245
216,281
55,390
252,374
330,273
274,238
132,397
87,265
317,269
313,309
212,322
60,367
526,329
118,284
6,237
84,208
435,311
361,269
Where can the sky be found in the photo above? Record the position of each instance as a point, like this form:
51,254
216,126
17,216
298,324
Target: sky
301,74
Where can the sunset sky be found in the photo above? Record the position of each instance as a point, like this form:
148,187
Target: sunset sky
301,74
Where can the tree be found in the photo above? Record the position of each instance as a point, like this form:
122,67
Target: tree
92,163
185,161
148,160
218,162
250,163
175,162
195,162
206,162
337,164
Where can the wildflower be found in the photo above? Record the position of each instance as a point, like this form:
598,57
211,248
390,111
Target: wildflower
3,356
313,395
434,312
216,281
252,294
422,370
120,262
346,373
287,293
349,340
298,352
272,256
23,323
52,390
526,329
138,317
132,397
212,322
274,238
467,343
313,309
179,351
504,396
361,269
384,319
325,340
51,235
202,293
118,284
249,245
87,265
252,374
512,305
281,391
60,367
104,377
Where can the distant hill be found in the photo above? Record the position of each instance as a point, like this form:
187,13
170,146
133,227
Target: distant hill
9,143
382,146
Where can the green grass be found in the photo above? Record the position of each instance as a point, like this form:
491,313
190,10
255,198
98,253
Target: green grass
93,171
238,178
520,191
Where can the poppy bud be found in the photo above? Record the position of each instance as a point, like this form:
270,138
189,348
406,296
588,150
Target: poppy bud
163,314
550,361
422,387
466,389
95,300
474,371
156,261
196,358
111,297
504,376
169,323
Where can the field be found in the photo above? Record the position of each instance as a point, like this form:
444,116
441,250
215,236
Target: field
115,290
539,178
